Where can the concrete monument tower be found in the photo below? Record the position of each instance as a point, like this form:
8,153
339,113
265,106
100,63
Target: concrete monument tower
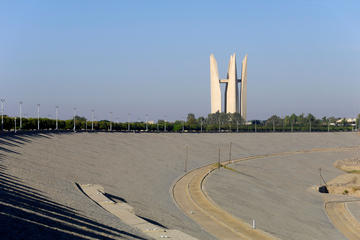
231,99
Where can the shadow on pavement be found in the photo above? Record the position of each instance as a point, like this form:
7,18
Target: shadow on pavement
27,213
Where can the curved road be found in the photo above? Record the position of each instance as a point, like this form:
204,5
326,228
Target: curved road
190,196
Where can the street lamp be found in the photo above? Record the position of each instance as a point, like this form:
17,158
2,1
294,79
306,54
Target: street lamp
2,114
38,116
129,122
74,120
57,116
20,106
92,119
165,123
146,116
110,121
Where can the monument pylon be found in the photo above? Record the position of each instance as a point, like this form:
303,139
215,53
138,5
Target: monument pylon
231,96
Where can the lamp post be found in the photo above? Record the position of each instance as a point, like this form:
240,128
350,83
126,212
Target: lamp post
110,121
15,124
74,119
57,117
201,125
129,122
38,116
165,123
20,106
273,126
146,116
92,119
2,113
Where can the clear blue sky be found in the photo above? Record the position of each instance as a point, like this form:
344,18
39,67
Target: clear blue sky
152,57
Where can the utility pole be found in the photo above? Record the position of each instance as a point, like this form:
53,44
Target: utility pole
230,152
38,116
57,117
20,106
187,158
219,159
2,114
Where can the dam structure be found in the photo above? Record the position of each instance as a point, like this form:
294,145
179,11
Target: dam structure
233,101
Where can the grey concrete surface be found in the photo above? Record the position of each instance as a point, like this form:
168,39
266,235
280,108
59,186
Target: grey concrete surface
141,169
278,192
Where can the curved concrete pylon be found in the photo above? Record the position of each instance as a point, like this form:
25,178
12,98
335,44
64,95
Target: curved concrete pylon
243,107
232,89
215,90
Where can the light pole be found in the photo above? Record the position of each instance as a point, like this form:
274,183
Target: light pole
2,114
328,126
74,119
38,116
110,121
292,126
237,126
219,124
273,126
201,125
20,106
129,122
310,126
255,127
165,123
56,117
92,119
15,124
146,116
183,127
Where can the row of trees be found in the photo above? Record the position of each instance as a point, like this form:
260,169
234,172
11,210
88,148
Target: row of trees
217,122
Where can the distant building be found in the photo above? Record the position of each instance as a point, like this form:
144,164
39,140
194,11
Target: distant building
349,121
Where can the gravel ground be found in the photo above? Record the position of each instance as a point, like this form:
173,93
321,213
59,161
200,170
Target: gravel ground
38,195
